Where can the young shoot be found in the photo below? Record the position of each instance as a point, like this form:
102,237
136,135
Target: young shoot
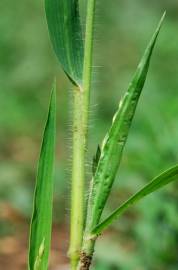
74,50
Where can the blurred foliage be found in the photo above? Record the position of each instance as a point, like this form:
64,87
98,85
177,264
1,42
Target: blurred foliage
146,237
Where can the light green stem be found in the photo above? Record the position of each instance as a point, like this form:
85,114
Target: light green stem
87,73
88,54
80,130
77,197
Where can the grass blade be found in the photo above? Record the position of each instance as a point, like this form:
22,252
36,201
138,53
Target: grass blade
66,36
40,232
115,140
157,183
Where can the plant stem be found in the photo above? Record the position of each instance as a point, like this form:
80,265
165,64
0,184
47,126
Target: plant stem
88,54
80,133
87,253
87,74
80,130
77,197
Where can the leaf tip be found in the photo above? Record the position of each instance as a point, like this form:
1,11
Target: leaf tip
161,20
53,98
164,14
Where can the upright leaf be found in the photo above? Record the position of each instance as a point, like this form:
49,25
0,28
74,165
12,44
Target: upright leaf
40,236
114,142
66,36
157,183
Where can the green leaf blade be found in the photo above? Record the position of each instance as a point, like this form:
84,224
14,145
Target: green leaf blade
66,36
40,231
158,182
115,140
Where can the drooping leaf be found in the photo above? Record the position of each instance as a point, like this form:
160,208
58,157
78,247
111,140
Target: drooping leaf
114,142
66,36
40,231
157,183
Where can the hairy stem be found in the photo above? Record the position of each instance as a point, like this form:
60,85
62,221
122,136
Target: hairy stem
80,130
85,261
78,174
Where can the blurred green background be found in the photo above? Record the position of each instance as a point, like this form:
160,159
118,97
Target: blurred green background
146,237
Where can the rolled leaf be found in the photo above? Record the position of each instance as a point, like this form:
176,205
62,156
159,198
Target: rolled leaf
40,231
114,142
157,183
66,36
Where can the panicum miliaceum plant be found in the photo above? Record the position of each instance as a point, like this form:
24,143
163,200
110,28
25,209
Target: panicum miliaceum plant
75,56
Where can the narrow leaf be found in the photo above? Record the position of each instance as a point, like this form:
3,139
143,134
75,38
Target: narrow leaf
40,231
66,36
114,142
157,183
